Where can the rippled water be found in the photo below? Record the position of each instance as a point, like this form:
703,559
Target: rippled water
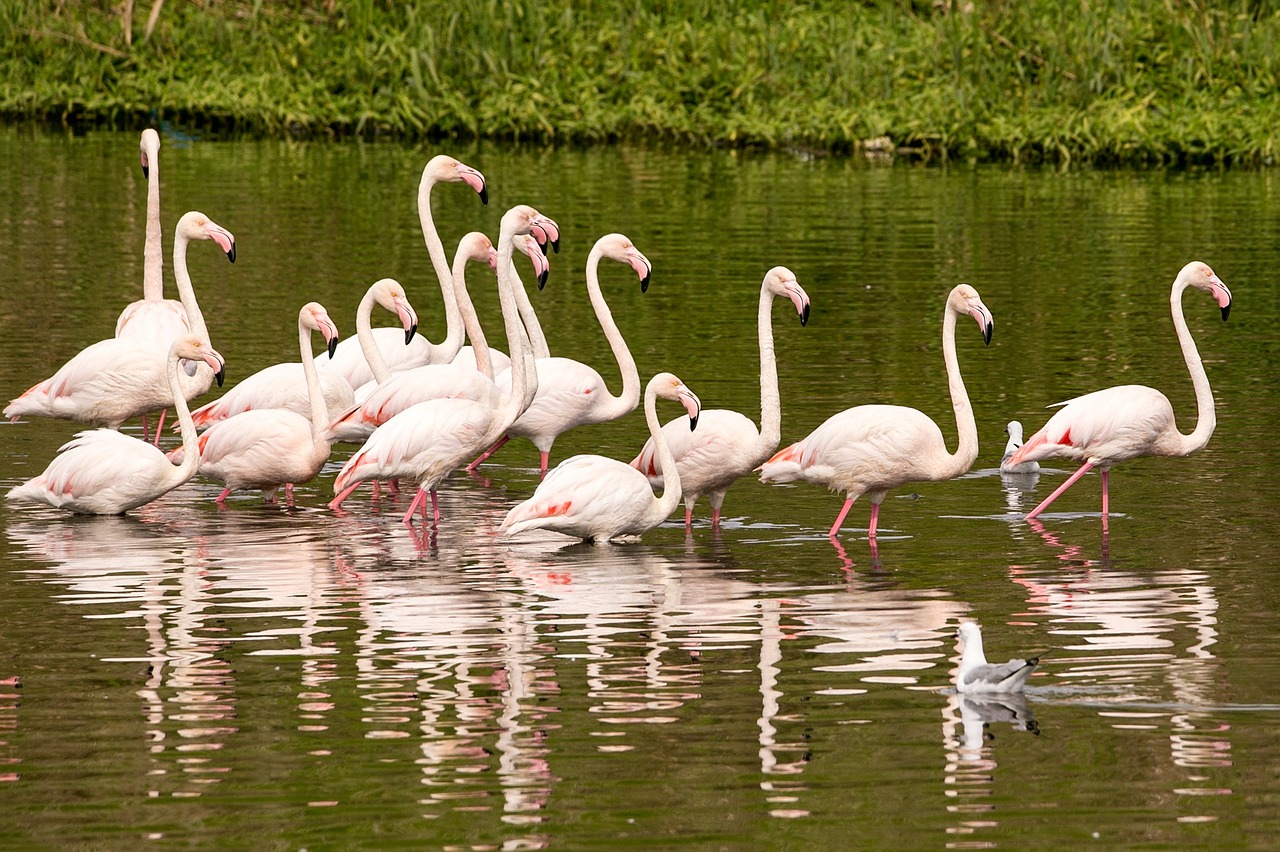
265,677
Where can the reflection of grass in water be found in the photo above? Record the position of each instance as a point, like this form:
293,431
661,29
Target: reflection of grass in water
1147,82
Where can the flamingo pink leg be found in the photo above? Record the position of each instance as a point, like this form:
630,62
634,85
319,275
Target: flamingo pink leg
145,434
288,494
545,457
875,518
688,518
435,509
835,528
222,498
1084,468
496,446
1105,499
715,518
418,498
336,503
159,426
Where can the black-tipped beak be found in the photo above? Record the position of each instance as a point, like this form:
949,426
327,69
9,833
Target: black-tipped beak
804,315
644,284
693,422
409,333
146,173
555,245
231,255
542,278
484,195
333,346
220,375
986,333
1226,311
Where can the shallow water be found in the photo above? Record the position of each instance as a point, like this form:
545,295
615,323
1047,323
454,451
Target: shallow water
269,677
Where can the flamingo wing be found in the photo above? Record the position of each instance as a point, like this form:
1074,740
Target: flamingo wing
162,320
721,450
425,441
99,470
590,496
1108,425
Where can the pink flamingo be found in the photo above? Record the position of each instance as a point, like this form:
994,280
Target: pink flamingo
153,317
498,360
103,472
284,385
571,393
1109,426
269,447
115,380
873,448
349,361
727,446
427,441
598,498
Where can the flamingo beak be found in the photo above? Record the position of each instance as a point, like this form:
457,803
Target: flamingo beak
333,345
692,405
492,259
472,178
146,172
546,231
985,321
408,318
219,369
643,268
800,299
1221,294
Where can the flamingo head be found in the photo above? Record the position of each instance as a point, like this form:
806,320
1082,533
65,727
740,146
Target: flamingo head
313,316
478,248
781,281
541,266
1199,275
191,347
621,249
197,226
668,386
965,300
150,146
446,168
523,219
388,293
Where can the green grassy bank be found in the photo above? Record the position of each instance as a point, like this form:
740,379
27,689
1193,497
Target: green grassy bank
1127,82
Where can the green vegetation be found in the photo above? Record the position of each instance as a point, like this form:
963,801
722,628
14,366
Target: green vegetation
1101,80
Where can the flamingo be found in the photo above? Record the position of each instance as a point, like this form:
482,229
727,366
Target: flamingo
1123,422
269,447
428,440
153,317
103,472
597,498
1014,431
727,446
114,380
872,448
349,361
977,675
284,385
571,393
499,361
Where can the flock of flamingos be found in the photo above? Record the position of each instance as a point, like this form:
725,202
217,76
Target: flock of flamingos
421,410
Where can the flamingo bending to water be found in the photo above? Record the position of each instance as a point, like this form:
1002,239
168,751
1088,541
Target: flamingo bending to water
598,498
727,446
427,441
349,361
1109,426
103,472
870,449
115,380
269,447
571,393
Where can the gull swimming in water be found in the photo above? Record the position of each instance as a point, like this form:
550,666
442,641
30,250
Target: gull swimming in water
1014,431
977,675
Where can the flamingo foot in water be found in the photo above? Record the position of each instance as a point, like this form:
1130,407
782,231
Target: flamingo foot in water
159,426
835,528
1071,480
497,445
221,499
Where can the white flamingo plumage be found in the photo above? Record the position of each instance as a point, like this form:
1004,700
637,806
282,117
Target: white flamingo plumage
571,393
349,361
1014,430
1109,426
153,317
427,441
498,360
598,498
269,447
103,472
285,386
870,449
727,445
114,380
976,675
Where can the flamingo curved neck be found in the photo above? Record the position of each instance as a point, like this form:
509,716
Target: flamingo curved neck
452,343
186,293
153,250
962,459
512,399
319,411
186,426
616,406
770,398
671,488
369,346
537,339
1206,416
470,321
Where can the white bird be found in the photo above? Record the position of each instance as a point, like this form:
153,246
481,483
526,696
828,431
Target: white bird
427,441
114,380
726,445
1109,426
1014,431
349,361
598,498
870,449
153,317
499,361
571,393
284,385
103,472
977,675
269,447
